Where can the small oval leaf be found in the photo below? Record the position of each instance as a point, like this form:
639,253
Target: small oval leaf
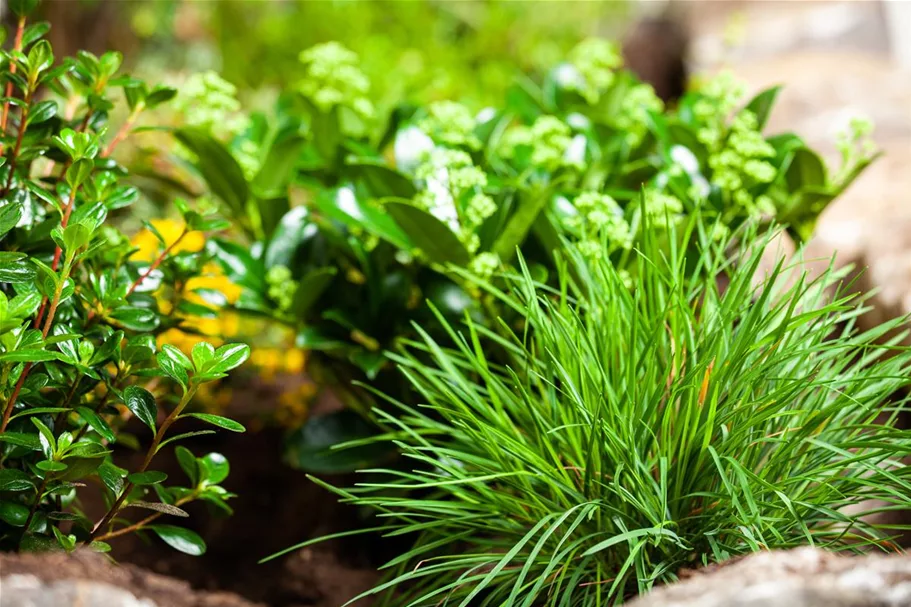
180,539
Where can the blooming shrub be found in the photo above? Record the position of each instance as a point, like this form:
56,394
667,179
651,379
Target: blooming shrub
587,152
82,310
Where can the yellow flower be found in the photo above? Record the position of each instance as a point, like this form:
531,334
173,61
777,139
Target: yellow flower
212,278
170,230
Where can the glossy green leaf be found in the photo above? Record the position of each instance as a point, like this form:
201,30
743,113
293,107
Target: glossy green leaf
216,467
180,539
97,423
218,168
150,477
230,356
342,205
10,214
15,480
218,420
13,513
172,368
135,319
429,234
33,355
141,402
292,230
238,264
21,439
112,477
176,356
16,271
310,448
188,464
38,411
313,284
762,104
51,466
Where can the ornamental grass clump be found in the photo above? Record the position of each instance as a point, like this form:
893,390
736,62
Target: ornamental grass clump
81,311
637,425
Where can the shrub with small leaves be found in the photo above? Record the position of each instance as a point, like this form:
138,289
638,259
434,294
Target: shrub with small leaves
80,313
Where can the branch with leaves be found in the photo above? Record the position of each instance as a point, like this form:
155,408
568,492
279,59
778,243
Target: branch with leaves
79,316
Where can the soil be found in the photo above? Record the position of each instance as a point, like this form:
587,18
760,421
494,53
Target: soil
276,507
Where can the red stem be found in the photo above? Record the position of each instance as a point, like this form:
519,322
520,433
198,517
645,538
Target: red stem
17,45
7,413
156,263
123,131
11,403
57,253
153,448
15,155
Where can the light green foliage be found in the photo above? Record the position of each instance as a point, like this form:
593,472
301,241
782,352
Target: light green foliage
424,51
333,79
208,101
450,123
388,213
638,425
281,287
595,61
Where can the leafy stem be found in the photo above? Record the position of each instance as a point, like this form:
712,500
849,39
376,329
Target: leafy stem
150,454
124,130
140,524
34,508
17,46
59,250
52,311
157,262
14,155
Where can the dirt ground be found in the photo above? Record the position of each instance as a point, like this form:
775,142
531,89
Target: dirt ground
276,507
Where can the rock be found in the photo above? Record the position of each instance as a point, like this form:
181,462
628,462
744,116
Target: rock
29,591
57,579
804,577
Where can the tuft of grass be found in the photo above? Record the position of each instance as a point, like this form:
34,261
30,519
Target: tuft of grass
641,424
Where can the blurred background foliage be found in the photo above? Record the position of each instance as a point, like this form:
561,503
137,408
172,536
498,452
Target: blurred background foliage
415,50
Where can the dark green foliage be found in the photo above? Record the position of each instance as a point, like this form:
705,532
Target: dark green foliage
79,313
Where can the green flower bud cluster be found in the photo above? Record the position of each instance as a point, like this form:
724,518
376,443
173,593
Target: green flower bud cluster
855,143
659,206
600,219
484,264
634,109
333,78
209,102
718,99
281,287
742,162
453,193
549,139
595,59
247,155
450,123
